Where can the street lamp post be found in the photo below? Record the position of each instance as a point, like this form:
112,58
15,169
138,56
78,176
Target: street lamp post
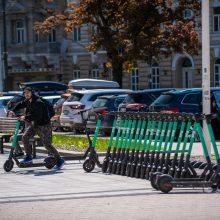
206,68
5,53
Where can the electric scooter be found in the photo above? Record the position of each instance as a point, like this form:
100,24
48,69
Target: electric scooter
48,162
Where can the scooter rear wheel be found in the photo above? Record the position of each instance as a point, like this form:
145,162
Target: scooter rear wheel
153,180
89,165
8,165
50,162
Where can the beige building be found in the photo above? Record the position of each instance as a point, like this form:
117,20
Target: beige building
63,57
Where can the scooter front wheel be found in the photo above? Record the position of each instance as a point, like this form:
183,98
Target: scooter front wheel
165,183
8,165
89,165
50,162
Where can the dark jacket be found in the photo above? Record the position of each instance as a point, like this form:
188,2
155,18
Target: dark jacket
36,110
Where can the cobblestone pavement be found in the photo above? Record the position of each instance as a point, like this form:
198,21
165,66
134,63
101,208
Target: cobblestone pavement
38,193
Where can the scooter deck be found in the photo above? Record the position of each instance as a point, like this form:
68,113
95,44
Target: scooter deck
190,183
20,165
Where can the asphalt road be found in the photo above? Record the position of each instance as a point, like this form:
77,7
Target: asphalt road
38,193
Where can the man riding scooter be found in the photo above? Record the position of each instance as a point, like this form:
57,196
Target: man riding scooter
37,114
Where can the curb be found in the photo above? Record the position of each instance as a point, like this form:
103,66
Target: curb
67,155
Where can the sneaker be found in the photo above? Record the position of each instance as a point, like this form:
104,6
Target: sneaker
27,159
20,154
60,164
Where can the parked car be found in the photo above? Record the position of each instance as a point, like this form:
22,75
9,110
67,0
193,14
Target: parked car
140,101
188,100
10,93
82,100
13,101
58,108
45,88
3,105
102,106
79,84
52,99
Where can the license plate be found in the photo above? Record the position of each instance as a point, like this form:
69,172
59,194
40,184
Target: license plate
65,112
92,117
123,109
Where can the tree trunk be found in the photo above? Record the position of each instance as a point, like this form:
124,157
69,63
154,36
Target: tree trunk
117,72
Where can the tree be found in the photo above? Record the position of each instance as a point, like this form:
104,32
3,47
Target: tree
131,30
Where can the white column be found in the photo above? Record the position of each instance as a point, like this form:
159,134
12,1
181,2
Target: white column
206,67
1,68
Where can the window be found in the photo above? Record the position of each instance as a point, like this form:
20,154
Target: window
20,32
95,73
155,77
192,99
76,74
39,38
217,97
74,97
165,99
216,19
77,34
134,79
52,36
217,73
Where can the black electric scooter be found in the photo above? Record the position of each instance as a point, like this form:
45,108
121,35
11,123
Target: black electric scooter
48,162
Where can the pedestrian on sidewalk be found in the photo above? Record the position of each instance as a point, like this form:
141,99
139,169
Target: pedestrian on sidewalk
37,116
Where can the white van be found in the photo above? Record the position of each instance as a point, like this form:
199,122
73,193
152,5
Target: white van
82,99
79,84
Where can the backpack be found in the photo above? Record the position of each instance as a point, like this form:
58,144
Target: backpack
49,106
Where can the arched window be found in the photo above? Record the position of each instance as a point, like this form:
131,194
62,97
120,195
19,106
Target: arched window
217,73
186,62
154,76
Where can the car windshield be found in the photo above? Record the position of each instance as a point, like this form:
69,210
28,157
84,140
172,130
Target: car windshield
100,102
164,99
60,101
3,103
217,98
74,97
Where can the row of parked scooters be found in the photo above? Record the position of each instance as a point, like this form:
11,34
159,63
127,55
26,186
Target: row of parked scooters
142,145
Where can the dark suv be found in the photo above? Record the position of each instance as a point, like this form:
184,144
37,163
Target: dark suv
188,100
101,107
139,101
45,88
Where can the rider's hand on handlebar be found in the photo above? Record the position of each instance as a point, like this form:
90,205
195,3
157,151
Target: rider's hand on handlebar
22,118
11,114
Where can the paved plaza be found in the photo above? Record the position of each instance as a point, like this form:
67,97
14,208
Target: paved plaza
38,193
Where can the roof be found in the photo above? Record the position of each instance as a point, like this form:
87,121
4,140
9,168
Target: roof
151,90
38,82
6,97
112,96
101,90
93,83
183,91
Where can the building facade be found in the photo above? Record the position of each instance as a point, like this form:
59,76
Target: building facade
63,56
